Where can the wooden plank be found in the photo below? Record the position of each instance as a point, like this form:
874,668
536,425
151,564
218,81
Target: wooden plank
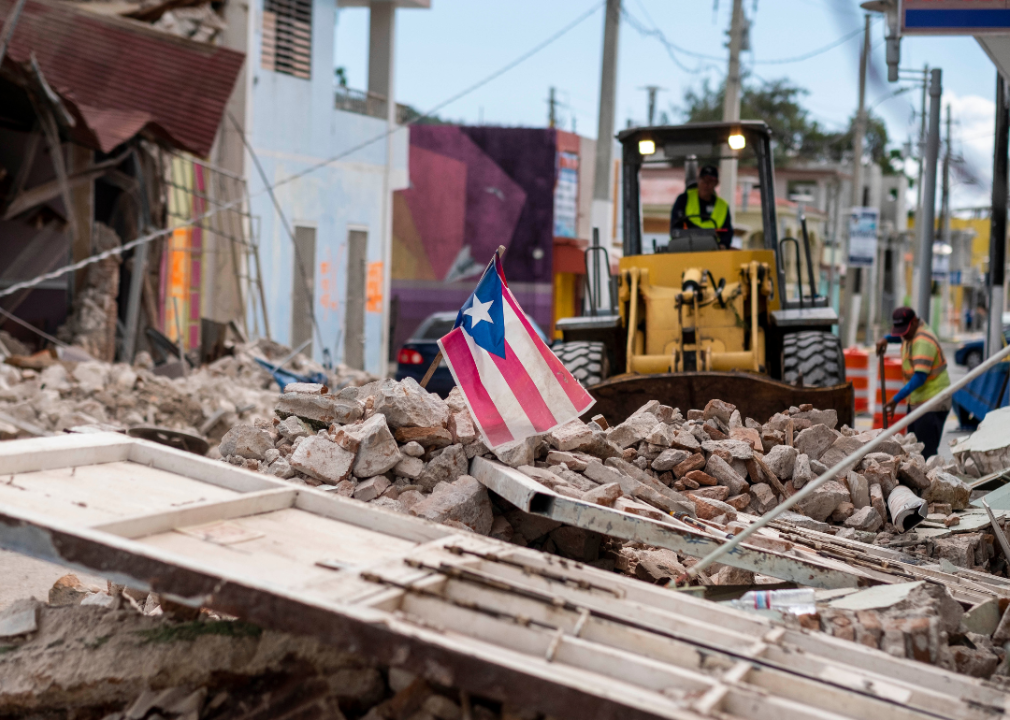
60,451
212,472
361,514
198,513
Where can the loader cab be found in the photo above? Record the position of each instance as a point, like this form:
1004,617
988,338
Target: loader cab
686,318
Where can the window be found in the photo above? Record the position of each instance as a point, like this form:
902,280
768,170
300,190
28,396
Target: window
438,329
287,37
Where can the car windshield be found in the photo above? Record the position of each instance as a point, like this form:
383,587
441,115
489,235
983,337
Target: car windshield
437,329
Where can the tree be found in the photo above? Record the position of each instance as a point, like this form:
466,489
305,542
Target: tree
795,135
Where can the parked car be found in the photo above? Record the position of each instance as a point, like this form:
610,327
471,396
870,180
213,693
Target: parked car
417,354
970,354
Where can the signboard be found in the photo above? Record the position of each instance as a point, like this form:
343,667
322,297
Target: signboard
955,17
566,196
863,236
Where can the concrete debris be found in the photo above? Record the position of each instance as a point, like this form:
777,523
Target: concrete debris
207,402
150,659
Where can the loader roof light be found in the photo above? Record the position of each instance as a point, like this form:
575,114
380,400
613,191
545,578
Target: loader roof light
737,141
646,147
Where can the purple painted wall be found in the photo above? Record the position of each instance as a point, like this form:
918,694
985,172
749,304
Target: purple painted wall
507,198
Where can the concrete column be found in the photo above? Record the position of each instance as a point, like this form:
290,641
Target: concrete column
381,63
381,28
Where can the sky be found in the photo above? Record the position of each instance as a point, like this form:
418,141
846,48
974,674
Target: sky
446,49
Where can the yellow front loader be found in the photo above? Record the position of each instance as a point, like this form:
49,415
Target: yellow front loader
685,322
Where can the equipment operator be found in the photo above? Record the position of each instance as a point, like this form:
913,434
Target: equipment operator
700,207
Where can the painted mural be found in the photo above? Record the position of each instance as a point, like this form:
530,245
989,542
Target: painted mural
471,190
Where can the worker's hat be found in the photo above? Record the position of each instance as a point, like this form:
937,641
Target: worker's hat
709,171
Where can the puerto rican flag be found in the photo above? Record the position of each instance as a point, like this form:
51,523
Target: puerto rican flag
515,386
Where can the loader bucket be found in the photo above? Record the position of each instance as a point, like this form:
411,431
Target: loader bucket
756,396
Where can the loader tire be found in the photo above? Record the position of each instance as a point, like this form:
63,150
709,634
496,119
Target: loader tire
586,361
813,359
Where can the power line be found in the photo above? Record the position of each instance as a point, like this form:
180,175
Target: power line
813,53
136,242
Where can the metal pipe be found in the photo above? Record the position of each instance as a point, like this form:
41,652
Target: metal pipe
632,314
754,314
847,463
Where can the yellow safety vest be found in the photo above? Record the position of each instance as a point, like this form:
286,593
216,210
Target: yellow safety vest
923,352
692,213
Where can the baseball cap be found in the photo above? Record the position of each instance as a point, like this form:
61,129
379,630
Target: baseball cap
709,171
902,318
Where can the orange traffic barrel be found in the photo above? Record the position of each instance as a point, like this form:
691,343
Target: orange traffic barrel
894,380
857,370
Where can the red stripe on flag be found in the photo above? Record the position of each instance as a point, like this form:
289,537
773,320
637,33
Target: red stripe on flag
575,392
525,390
485,412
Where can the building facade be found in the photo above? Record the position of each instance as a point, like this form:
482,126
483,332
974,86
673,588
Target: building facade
321,163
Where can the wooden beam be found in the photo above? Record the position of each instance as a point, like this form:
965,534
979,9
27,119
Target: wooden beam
140,526
33,197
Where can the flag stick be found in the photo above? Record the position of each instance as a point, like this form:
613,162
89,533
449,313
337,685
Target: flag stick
500,252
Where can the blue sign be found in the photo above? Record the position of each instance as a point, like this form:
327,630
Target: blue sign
954,17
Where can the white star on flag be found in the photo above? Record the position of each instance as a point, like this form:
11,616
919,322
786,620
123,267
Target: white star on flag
478,312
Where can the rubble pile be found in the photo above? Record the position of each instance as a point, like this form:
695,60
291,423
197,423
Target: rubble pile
394,444
115,654
41,394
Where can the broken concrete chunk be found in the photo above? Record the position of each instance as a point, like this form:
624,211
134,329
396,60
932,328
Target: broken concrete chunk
913,475
815,440
726,475
842,513
866,518
371,488
715,492
747,435
407,404
572,462
695,462
409,467
826,418
461,427
573,434
781,461
877,500
449,465
669,459
709,508
412,449
604,495
945,488
319,410
840,449
859,489
662,435
763,498
576,543
702,478
720,410
633,430
464,501
802,472
426,437
292,427
658,565
824,500
738,449
377,450
322,459
246,441
517,452
805,522
306,388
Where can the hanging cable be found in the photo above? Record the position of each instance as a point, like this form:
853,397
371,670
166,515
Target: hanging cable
291,178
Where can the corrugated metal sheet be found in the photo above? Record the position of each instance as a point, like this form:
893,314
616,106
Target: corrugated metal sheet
121,76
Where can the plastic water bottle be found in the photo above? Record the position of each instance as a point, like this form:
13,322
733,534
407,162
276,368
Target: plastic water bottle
798,602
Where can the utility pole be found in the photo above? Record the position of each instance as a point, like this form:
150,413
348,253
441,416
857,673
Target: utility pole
945,232
851,318
603,209
997,230
731,105
918,194
552,117
652,90
925,256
